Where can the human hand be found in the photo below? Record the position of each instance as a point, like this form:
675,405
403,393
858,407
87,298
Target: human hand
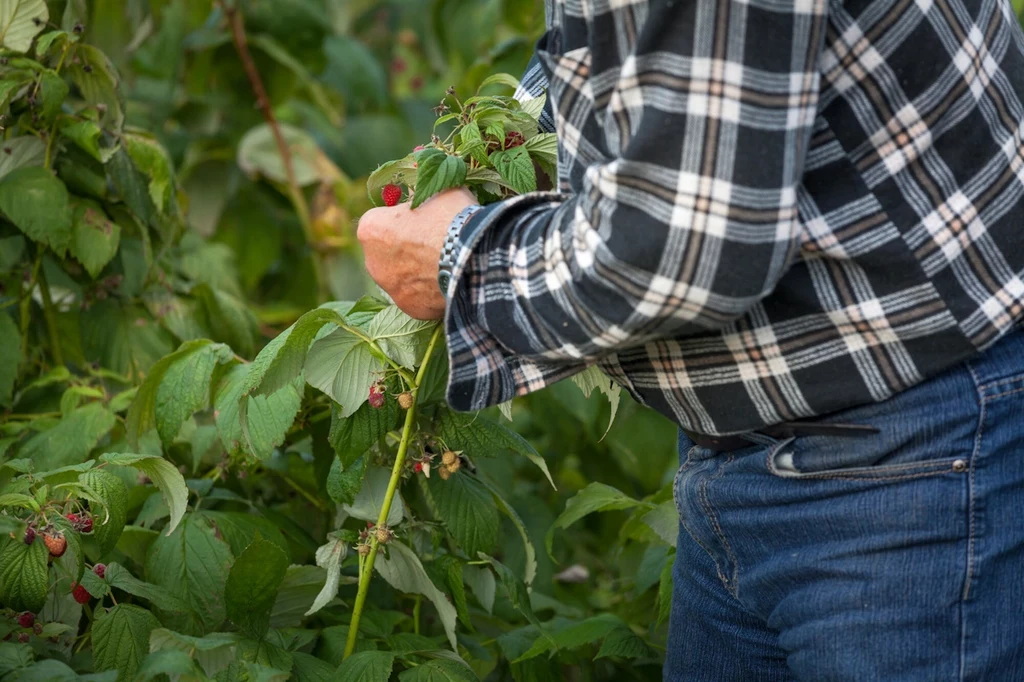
402,247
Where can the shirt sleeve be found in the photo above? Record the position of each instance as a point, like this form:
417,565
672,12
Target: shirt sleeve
684,221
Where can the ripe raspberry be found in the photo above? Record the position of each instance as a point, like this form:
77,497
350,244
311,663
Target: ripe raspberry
391,194
384,534
418,467
73,518
80,594
30,535
513,139
418,148
85,525
376,398
56,543
27,619
100,569
369,524
448,457
405,400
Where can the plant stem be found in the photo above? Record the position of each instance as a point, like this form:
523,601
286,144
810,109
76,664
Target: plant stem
396,477
51,323
295,195
416,614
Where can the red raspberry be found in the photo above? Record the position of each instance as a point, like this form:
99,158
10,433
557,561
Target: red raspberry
86,525
376,398
391,194
398,65
73,518
418,467
30,535
513,139
80,594
418,148
27,619
99,569
369,524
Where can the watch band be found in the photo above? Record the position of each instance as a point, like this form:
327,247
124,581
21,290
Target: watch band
447,260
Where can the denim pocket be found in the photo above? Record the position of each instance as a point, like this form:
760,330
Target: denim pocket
821,457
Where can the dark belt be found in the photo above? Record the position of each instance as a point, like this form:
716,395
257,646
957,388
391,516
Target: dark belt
780,430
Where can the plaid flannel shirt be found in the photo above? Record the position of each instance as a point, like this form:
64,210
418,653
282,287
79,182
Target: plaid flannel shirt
767,209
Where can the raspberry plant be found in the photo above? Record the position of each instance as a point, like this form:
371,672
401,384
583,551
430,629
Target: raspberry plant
171,505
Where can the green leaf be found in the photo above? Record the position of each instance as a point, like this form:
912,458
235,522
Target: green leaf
437,172
192,563
108,522
94,237
230,319
20,22
37,203
120,638
119,577
71,440
240,529
370,499
25,151
438,671
664,520
131,185
517,591
402,338
308,668
665,590
365,666
268,417
46,41
481,582
86,134
258,154
23,571
214,652
176,665
467,510
594,498
176,386
353,70
450,568
96,78
152,161
14,656
584,632
165,477
401,170
530,570
342,366
478,436
403,571
252,585
534,107
10,339
516,168
329,557
543,147
500,79
343,483
297,593
72,562
52,91
19,500
592,378
624,643
351,437
135,542
473,142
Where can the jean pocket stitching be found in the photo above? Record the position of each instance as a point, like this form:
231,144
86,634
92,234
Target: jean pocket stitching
1004,394
895,472
709,510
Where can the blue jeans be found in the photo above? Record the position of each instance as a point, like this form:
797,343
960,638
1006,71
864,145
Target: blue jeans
897,557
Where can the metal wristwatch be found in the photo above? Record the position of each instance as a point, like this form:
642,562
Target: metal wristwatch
447,262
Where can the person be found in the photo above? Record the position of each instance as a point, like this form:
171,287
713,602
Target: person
796,227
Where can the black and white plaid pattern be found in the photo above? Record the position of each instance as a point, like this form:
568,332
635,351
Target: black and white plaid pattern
768,209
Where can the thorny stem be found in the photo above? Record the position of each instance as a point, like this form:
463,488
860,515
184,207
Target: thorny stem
298,200
396,477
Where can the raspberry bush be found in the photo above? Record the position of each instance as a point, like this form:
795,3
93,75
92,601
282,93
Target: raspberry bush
200,481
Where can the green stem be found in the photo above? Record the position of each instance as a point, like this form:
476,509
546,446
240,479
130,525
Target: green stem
389,496
51,323
416,614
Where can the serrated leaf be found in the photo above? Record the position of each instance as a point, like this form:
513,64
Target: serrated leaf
214,652
344,483
595,497
516,168
307,668
176,665
131,185
165,405
20,22
467,510
505,79
23,575
239,529
258,154
351,437
10,339
252,585
86,134
71,440
438,671
73,560
152,161
97,80
230,319
370,500
165,477
37,203
329,558
481,583
119,577
574,636
624,643
402,338
478,436
473,142
530,570
120,638
297,593
664,520
592,378
365,666
665,588
192,563
543,148
108,520
517,591
342,366
436,172
401,170
534,106
268,417
25,151
403,571
450,568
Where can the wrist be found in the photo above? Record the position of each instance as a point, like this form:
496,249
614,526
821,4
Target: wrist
446,260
